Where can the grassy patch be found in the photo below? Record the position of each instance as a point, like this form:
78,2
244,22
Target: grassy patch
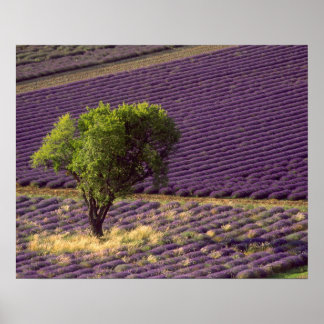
295,273
112,241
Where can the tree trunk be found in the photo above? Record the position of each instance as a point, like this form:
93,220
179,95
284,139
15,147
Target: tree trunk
95,223
96,229
97,217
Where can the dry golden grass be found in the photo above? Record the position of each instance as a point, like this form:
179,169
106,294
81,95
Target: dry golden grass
111,242
299,217
254,247
61,212
226,228
170,214
210,233
241,202
186,262
178,251
147,259
218,239
47,192
298,227
215,254
63,260
152,258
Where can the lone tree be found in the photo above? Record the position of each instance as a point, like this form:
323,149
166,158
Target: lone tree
108,151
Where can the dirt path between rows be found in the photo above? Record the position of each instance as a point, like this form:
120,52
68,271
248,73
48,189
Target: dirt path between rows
115,67
244,202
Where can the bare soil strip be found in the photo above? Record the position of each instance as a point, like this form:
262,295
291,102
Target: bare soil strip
73,193
115,67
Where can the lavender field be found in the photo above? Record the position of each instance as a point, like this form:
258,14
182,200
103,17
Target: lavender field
242,112
243,116
36,61
153,240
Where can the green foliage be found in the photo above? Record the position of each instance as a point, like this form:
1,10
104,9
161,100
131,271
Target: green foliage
111,150
57,148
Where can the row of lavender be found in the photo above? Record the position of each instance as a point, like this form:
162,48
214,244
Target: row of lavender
242,113
200,241
36,61
37,53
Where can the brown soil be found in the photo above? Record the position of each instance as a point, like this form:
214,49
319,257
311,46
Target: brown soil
112,68
268,203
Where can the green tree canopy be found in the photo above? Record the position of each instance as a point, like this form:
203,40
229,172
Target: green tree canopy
110,150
